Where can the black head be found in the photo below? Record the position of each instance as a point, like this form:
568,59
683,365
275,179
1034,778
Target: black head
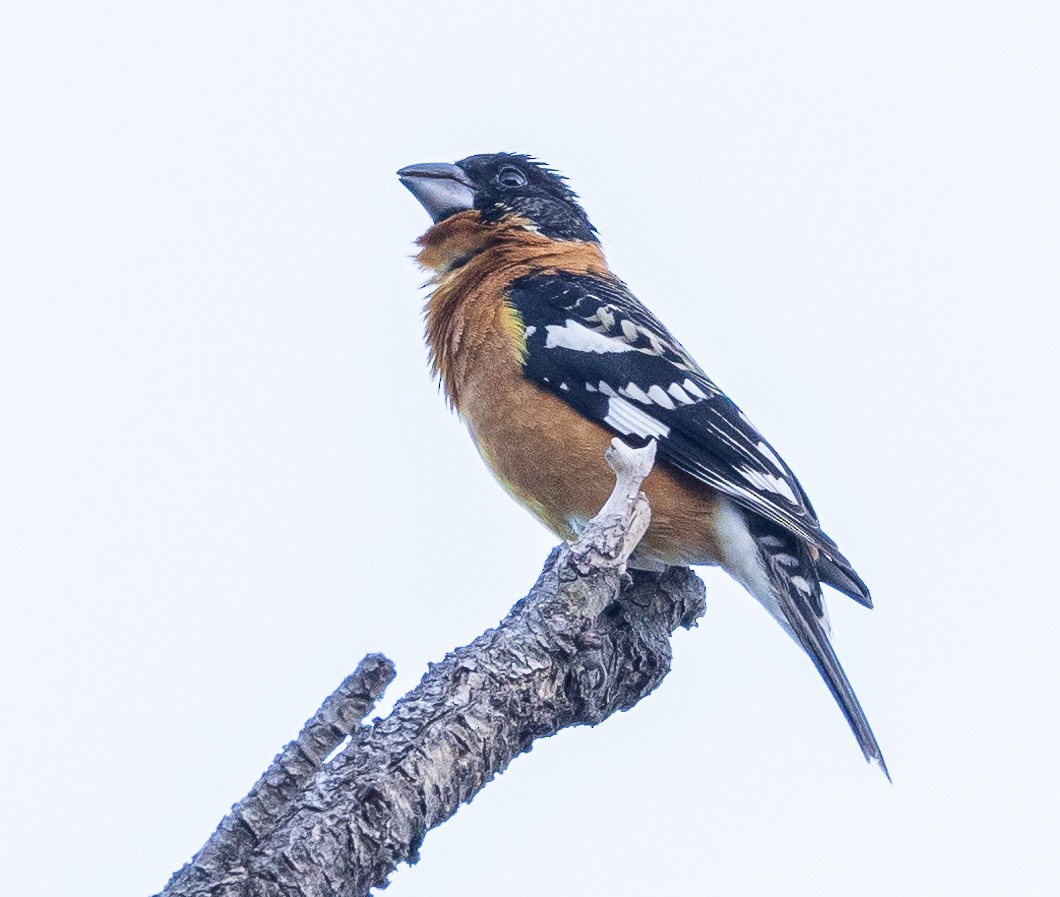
500,185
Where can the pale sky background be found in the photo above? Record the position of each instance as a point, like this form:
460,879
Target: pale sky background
225,474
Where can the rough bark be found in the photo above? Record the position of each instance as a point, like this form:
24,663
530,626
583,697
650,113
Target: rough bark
588,640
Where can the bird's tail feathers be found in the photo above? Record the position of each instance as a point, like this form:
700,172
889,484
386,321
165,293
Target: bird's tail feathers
797,592
837,572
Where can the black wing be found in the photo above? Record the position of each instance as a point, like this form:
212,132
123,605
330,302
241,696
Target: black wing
592,343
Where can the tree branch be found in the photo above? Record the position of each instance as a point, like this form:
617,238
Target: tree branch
587,641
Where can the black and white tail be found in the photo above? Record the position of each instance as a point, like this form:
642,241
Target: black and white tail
775,566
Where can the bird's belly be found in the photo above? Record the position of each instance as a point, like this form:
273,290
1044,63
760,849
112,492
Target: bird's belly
551,459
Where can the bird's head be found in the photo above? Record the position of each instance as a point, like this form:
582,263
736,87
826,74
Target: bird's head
501,187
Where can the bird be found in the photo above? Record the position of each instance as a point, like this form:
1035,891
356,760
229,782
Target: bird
546,356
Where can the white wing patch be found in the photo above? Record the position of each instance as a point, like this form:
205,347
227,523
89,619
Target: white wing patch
768,482
690,385
683,397
768,454
627,418
659,397
632,391
655,395
580,338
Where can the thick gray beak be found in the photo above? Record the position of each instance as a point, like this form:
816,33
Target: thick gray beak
441,188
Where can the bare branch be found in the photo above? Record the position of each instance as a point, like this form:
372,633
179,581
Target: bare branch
589,640
617,529
282,785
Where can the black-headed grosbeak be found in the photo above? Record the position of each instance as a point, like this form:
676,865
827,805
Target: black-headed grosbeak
546,355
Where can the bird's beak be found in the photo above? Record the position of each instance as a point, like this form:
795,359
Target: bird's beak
441,188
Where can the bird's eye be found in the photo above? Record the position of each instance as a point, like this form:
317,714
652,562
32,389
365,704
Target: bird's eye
510,176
